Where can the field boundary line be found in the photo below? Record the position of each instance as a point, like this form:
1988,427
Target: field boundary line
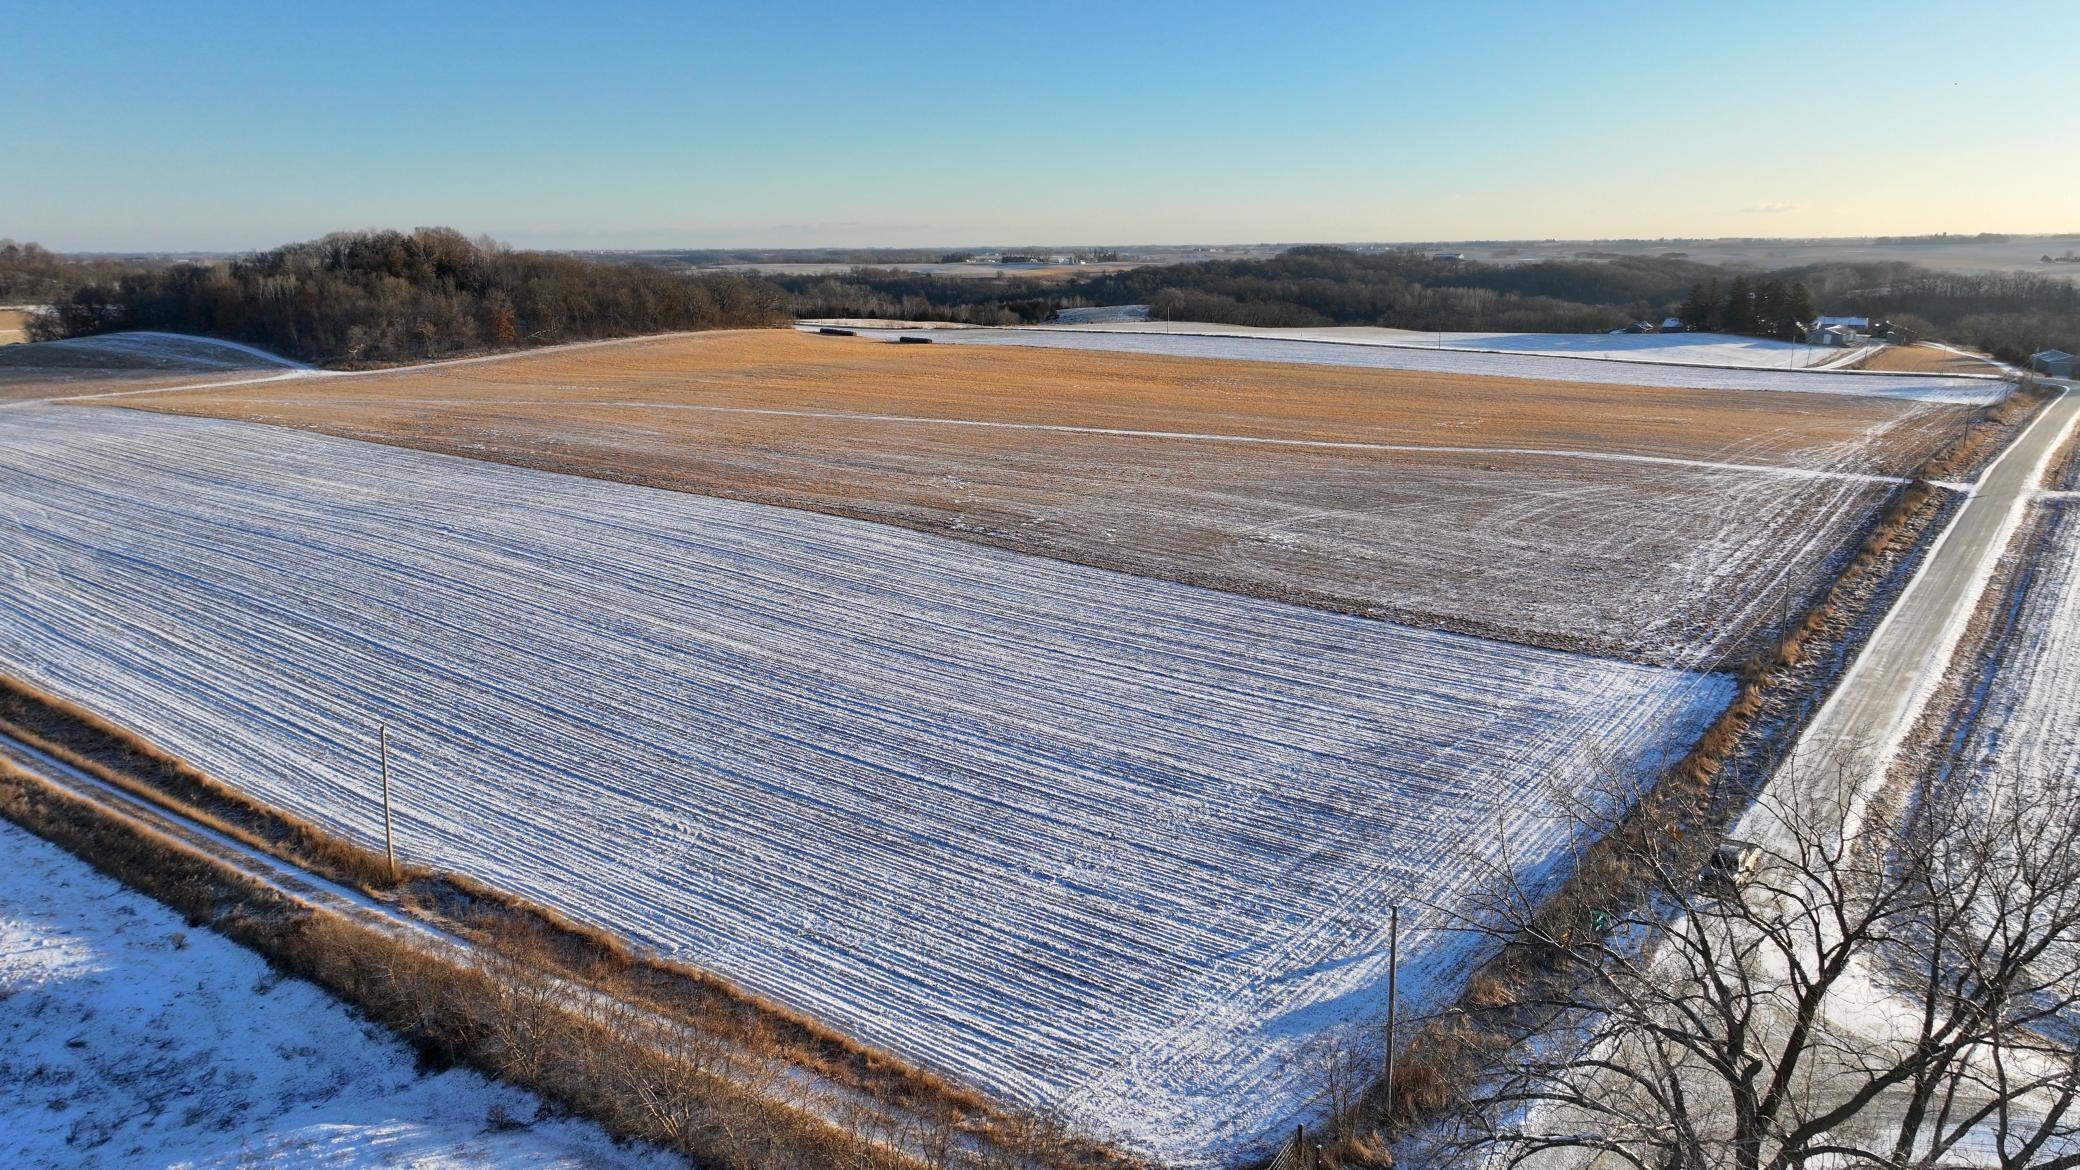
284,376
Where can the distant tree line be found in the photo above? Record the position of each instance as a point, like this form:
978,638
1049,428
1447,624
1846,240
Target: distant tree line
2008,314
1406,289
900,295
31,274
1302,286
1760,308
713,257
385,296
372,297
1943,238
862,257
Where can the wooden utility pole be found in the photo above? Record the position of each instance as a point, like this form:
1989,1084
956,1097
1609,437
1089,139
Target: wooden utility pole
1393,1001
383,754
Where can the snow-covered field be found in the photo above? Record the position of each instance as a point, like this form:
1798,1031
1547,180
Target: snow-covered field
1106,843
147,349
1102,314
1696,349
1640,370
128,1039
2027,721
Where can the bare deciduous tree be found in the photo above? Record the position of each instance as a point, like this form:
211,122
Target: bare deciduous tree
1897,986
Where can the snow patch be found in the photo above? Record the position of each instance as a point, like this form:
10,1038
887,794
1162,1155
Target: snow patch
1644,366
128,1038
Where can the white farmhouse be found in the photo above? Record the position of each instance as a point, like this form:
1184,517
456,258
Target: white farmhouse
1838,331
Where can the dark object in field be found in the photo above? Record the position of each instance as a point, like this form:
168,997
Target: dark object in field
839,332
1732,866
910,339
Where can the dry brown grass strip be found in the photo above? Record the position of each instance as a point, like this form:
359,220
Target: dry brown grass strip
506,1019
1926,359
893,1093
113,754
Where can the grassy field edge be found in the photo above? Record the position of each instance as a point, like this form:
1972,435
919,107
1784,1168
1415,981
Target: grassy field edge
448,1009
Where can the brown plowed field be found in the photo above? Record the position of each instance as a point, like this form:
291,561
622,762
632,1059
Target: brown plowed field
1926,359
1025,449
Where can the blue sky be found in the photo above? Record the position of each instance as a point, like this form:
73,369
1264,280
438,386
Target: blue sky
229,126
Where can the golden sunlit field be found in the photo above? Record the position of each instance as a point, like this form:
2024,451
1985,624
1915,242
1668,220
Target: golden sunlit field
1424,497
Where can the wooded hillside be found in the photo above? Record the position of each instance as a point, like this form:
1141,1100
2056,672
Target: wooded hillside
373,297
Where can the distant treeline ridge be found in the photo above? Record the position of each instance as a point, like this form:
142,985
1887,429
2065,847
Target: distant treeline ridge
386,296
2010,315
372,297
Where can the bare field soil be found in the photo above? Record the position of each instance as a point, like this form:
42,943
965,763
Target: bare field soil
1926,359
1349,489
772,369
12,325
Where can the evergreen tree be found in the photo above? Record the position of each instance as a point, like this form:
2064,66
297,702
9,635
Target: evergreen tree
1699,307
1769,308
1740,307
1798,310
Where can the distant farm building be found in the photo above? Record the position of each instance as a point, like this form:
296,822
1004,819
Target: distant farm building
2055,362
1838,331
1673,325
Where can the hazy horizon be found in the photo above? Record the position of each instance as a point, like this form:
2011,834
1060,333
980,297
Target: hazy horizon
1961,237
228,127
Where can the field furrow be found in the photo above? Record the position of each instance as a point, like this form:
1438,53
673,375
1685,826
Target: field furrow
1111,844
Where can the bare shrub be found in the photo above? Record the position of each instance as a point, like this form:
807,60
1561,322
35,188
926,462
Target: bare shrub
1702,1029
